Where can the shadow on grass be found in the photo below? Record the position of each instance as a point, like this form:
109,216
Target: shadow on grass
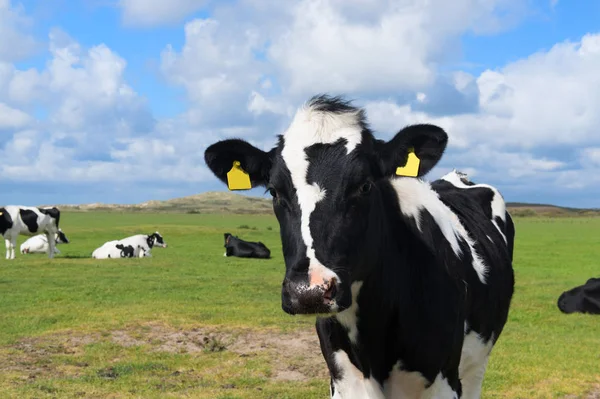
79,256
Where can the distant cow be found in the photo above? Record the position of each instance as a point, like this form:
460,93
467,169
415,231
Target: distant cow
28,221
416,277
39,244
582,299
141,244
245,249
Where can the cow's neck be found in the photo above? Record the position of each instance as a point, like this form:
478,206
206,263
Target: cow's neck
375,326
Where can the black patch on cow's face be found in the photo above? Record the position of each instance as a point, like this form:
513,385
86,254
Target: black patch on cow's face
155,239
226,237
61,238
6,221
30,218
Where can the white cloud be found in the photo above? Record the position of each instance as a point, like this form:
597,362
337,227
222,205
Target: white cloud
11,118
148,13
16,43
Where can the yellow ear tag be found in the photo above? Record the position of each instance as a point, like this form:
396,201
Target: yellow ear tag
411,168
237,178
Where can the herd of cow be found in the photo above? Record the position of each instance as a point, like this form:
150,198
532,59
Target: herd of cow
415,278
42,224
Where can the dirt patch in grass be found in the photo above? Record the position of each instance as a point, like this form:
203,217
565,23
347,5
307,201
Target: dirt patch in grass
294,357
593,394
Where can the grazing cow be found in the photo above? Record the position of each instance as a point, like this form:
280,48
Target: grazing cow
417,277
39,244
141,244
581,299
25,220
245,249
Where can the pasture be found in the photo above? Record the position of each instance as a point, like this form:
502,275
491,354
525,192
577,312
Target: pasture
191,323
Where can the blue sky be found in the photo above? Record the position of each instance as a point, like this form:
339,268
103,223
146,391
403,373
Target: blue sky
115,100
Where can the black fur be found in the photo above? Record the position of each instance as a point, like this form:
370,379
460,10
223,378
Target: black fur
245,249
417,294
53,213
582,299
6,221
30,219
126,251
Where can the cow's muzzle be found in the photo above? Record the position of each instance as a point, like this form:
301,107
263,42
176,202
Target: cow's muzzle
302,298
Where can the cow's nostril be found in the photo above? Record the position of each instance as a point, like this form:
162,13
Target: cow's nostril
331,290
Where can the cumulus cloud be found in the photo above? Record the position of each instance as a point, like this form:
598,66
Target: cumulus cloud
17,43
148,13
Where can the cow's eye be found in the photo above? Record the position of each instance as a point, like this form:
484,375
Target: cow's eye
273,192
365,188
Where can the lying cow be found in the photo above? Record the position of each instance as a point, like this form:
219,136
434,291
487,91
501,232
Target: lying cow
112,251
417,278
39,244
28,221
141,245
581,299
245,249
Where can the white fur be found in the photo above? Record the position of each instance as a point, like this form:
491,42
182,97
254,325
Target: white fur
46,224
415,195
473,363
498,204
412,384
309,127
138,242
349,317
353,384
39,244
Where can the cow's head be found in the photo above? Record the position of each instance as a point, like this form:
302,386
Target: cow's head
227,237
61,238
326,176
156,240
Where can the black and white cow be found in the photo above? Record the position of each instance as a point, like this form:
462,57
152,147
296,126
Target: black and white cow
235,246
417,277
581,299
141,244
25,220
39,244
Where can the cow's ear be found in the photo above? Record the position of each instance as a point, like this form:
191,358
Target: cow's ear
221,156
428,142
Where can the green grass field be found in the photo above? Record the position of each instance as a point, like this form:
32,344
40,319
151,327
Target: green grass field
191,323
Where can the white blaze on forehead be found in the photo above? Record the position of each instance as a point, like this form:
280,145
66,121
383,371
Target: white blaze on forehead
312,126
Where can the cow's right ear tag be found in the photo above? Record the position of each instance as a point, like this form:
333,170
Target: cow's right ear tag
237,178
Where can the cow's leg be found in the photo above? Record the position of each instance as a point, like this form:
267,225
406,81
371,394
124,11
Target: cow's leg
443,387
7,245
13,245
51,244
473,363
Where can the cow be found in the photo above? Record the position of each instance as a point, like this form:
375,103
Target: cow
18,220
39,244
119,250
581,299
141,244
234,246
412,282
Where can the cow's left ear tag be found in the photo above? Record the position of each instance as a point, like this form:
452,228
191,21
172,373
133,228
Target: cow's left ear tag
411,169
237,178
